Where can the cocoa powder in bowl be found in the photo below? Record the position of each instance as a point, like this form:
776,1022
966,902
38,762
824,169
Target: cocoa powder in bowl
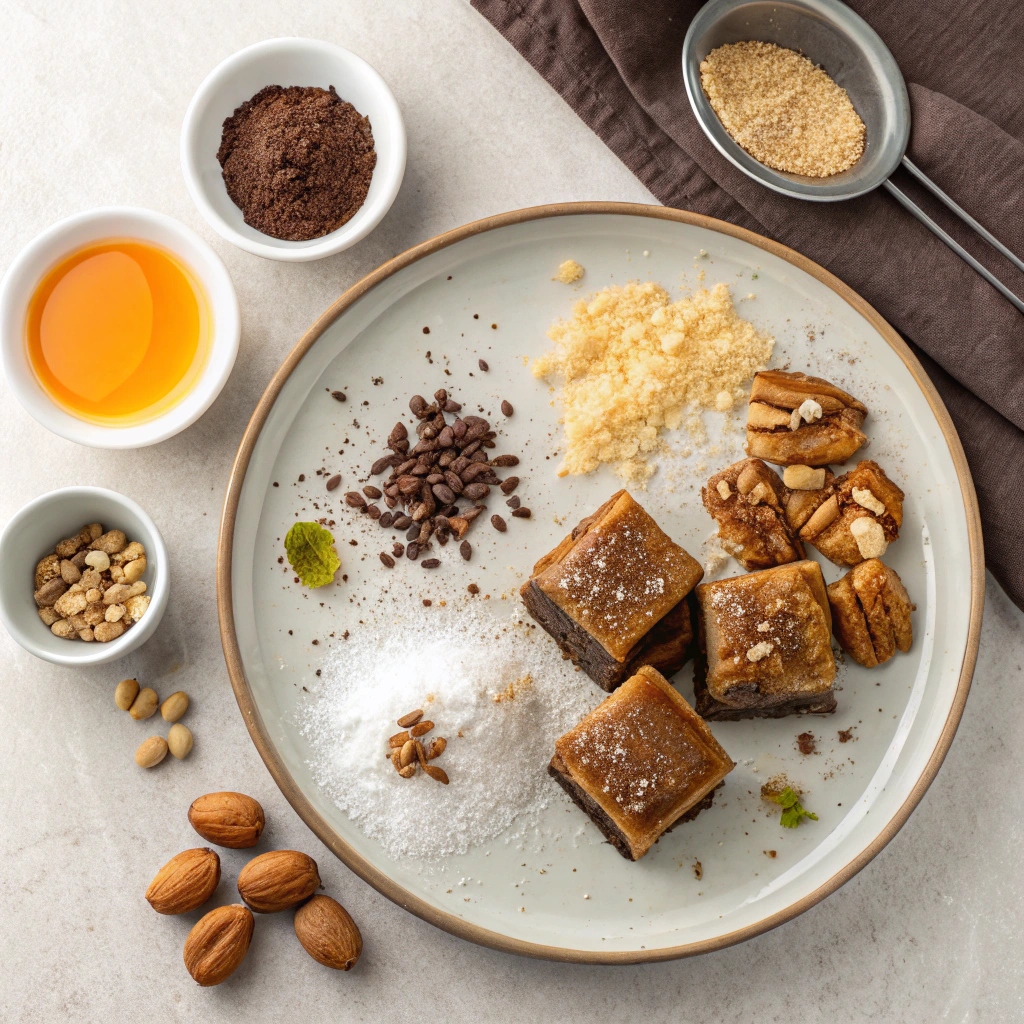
297,161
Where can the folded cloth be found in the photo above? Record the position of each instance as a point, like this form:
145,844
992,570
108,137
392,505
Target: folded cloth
617,64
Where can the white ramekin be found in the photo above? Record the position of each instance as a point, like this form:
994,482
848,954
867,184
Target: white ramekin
64,237
285,62
35,531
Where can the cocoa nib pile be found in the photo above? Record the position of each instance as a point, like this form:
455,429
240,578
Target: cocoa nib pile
449,464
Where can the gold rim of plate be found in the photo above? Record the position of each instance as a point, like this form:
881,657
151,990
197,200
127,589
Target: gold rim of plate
373,875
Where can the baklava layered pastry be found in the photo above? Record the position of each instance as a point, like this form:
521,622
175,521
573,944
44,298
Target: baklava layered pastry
765,645
793,419
612,594
749,501
859,517
871,613
641,762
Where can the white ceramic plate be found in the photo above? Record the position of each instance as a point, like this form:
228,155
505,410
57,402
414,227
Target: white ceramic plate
903,715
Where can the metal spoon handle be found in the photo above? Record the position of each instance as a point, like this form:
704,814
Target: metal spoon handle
908,204
961,212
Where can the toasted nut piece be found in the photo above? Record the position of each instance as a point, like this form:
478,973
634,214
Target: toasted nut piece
410,719
116,594
408,771
399,739
69,572
867,500
278,880
67,548
760,650
436,748
218,943
870,537
91,580
47,568
396,759
70,603
48,615
227,819
825,515
136,607
804,478
179,740
766,417
99,560
750,475
185,882
63,629
129,554
327,933
437,774
126,692
421,729
175,706
408,752
114,613
86,634
808,411
46,595
134,569
144,705
151,752
107,631
724,490
110,542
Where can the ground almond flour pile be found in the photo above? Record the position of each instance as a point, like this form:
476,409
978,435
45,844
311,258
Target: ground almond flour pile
631,362
468,672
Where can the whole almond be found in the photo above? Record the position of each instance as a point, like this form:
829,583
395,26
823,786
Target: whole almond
218,943
185,882
328,934
278,880
126,692
151,752
233,820
144,705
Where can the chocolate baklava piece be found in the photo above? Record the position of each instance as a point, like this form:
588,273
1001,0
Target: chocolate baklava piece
765,645
612,594
641,762
748,501
859,519
793,419
871,613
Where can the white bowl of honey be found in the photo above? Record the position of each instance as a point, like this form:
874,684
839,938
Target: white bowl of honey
118,327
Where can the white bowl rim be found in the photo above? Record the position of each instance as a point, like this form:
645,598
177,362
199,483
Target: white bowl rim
281,249
83,654
43,251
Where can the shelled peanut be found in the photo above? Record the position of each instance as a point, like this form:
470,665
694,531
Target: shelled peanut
141,703
90,587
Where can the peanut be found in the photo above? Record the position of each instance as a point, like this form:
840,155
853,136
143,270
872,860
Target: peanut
126,692
175,706
107,631
144,705
110,542
134,569
151,752
179,740
63,629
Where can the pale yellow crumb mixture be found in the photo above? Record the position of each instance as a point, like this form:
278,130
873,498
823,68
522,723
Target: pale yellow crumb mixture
569,272
630,363
783,110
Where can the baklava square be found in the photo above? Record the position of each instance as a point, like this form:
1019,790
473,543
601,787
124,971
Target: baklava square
612,594
872,613
765,645
641,762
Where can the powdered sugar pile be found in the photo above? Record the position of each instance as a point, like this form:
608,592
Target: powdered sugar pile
453,663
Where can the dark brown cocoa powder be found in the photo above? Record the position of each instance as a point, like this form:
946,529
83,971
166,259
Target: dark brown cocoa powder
297,161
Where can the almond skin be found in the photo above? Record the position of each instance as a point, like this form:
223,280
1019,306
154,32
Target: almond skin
233,820
185,882
328,934
218,943
278,880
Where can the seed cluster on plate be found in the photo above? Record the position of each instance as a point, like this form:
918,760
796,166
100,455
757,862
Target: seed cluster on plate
449,463
407,752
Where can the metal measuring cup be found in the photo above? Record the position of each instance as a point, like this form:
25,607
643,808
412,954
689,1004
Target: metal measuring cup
836,38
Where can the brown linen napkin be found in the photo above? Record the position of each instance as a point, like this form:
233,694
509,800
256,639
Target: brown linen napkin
617,64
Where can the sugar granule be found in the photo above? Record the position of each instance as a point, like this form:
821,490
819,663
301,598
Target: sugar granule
782,109
630,363
498,749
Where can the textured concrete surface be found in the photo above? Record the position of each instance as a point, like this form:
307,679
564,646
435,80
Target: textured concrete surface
93,96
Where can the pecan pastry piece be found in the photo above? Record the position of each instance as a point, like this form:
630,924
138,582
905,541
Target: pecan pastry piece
859,519
748,501
794,419
871,613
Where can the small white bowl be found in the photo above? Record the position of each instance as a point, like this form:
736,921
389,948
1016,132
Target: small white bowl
64,237
35,532
285,62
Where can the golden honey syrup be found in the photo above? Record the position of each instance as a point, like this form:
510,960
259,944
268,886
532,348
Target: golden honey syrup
118,331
